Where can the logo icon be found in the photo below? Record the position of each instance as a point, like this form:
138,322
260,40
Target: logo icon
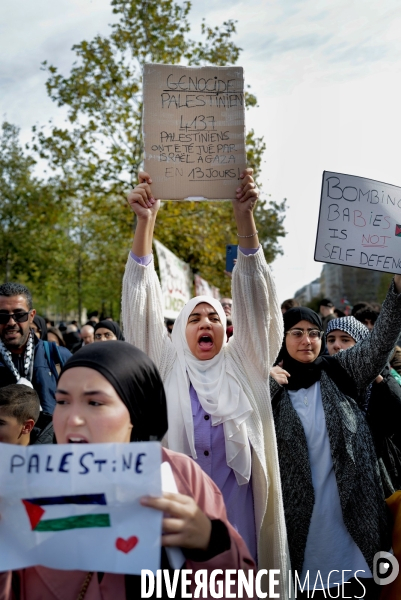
385,567
398,230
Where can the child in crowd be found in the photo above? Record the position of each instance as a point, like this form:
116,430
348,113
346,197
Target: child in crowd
21,421
19,411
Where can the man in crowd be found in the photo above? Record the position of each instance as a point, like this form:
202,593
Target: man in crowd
368,316
227,304
327,311
71,337
23,357
87,337
287,304
93,318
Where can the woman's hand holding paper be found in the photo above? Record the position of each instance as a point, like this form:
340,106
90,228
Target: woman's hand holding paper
184,523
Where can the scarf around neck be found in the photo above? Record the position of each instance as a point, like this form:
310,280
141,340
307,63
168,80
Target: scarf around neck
26,377
218,391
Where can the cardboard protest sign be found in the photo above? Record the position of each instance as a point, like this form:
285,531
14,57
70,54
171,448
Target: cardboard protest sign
175,280
359,223
76,506
194,130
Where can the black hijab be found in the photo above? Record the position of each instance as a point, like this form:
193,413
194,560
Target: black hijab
136,380
303,375
111,326
41,325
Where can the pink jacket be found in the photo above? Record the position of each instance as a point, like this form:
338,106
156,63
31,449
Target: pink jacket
41,583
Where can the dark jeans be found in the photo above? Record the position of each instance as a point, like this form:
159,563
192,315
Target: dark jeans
352,589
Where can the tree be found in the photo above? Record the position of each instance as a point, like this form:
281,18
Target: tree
33,240
99,152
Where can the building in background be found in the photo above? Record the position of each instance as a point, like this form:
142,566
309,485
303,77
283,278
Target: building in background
307,292
339,283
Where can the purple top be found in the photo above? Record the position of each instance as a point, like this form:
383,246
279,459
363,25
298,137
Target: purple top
210,449
211,452
142,260
146,260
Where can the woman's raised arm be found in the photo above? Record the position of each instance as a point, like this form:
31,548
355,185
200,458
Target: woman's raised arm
367,359
142,305
145,207
257,318
243,205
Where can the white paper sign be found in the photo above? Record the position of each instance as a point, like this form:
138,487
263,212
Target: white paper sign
175,280
359,223
203,288
175,556
76,506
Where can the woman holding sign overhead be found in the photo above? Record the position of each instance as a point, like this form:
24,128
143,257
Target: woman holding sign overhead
113,393
217,395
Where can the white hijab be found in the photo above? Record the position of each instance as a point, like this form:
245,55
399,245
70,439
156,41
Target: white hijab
219,393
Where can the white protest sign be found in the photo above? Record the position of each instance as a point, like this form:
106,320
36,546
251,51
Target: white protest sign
203,288
175,280
359,223
76,506
175,556
194,130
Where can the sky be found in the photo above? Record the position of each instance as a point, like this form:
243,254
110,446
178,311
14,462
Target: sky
326,75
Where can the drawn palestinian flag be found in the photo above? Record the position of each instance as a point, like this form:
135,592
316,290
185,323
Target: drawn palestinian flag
398,230
35,512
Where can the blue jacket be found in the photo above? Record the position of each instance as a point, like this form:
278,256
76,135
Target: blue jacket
44,379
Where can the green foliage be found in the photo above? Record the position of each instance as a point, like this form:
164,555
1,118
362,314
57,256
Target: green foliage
96,157
33,242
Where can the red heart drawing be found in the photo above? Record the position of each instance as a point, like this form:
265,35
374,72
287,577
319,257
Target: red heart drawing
126,545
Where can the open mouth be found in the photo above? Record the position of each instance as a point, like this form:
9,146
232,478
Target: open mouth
205,342
76,440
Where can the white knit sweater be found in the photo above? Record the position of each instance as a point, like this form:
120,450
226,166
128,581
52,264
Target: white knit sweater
258,334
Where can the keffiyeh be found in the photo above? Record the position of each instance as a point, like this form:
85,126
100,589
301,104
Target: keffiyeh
26,377
357,330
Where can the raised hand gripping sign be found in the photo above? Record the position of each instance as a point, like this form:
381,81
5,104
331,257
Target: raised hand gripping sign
359,223
194,130
76,506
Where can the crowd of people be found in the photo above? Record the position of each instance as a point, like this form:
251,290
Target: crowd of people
281,425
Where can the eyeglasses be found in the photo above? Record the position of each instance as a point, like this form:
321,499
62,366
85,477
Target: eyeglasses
312,334
20,317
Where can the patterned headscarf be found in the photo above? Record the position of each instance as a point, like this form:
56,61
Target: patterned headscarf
357,330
